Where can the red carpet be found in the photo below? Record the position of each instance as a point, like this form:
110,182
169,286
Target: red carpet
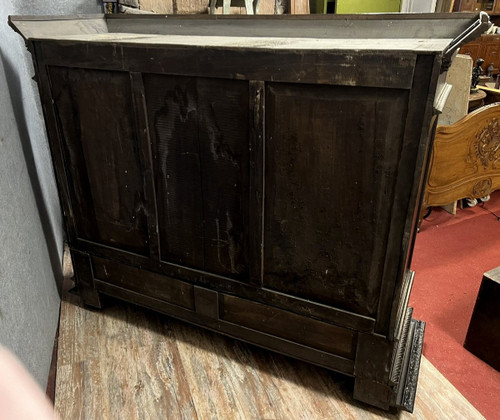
451,255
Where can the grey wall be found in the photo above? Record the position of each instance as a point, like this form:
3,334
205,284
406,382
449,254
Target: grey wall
31,232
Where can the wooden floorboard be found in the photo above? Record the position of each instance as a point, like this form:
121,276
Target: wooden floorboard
125,362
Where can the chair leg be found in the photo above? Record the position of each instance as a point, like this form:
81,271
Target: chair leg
256,5
249,7
212,6
226,6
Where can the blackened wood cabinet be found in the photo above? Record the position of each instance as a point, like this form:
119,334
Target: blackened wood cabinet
258,176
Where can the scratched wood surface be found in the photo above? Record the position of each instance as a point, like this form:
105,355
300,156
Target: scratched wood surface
111,212
301,181
199,135
130,363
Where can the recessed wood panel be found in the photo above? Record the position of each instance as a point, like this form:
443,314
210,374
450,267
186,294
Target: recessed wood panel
300,329
95,115
331,166
466,5
150,284
199,130
491,54
171,103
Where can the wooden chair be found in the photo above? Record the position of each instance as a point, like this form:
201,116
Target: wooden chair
251,6
465,160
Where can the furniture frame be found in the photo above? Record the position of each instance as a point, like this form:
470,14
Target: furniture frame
465,160
260,177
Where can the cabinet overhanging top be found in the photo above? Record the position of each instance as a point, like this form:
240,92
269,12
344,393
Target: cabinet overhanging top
401,32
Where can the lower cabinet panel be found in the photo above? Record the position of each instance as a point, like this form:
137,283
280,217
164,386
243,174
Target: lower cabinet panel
310,332
155,285
305,338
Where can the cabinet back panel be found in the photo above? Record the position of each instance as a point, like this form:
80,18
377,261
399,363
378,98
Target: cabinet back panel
199,132
96,120
331,164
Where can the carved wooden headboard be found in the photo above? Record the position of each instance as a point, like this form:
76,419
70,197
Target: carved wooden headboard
465,161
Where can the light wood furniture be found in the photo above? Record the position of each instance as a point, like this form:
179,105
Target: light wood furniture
465,161
258,176
298,7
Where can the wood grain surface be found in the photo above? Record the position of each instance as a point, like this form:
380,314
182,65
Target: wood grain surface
465,158
129,363
303,169
199,129
111,212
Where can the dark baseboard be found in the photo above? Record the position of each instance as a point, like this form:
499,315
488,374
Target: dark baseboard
51,382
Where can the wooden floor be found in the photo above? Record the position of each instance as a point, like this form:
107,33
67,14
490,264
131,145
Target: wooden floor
125,362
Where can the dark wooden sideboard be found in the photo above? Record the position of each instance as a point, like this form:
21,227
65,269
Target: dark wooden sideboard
258,176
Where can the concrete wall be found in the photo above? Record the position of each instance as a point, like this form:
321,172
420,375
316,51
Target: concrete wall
31,232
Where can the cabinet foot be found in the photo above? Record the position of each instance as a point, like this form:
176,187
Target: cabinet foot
394,385
373,393
90,297
85,280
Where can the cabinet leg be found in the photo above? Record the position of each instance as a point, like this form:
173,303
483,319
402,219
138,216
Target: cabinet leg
90,297
85,279
373,393
384,381
372,370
